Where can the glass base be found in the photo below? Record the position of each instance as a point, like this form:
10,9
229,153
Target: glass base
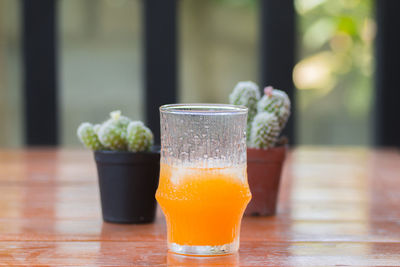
204,250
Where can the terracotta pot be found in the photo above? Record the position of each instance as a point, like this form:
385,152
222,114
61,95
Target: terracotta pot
264,168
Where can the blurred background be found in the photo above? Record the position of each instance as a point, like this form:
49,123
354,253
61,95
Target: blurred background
101,55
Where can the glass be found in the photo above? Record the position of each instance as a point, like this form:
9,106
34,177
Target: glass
101,62
334,75
203,189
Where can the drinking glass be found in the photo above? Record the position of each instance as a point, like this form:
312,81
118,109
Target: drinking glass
203,189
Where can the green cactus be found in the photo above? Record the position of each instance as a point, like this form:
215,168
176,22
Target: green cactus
265,131
96,128
117,133
87,135
118,120
246,94
139,137
112,133
267,116
277,102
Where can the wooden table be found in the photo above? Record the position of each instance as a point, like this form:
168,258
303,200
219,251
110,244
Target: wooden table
338,206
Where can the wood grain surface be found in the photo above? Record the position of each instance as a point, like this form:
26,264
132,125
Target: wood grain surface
337,206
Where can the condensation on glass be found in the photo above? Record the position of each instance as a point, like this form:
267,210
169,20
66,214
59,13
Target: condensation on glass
203,187
206,136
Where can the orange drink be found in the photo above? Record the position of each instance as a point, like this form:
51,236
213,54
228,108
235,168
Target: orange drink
203,206
203,188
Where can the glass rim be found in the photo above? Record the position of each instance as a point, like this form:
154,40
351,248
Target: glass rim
203,109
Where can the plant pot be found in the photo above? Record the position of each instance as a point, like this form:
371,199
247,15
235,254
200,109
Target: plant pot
128,183
264,168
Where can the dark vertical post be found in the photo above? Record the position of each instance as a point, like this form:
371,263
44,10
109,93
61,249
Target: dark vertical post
40,71
277,51
160,77
387,113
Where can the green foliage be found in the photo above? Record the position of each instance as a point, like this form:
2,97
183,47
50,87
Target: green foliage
117,133
336,41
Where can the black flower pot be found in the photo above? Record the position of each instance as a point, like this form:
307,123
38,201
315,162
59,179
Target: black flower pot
128,182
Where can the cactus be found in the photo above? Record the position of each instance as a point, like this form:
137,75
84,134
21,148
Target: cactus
246,94
276,102
139,137
87,135
265,131
118,120
117,133
267,116
112,133
96,128
112,136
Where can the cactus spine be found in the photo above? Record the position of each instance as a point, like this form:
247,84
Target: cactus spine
112,133
87,135
139,137
276,102
265,131
266,116
117,133
246,94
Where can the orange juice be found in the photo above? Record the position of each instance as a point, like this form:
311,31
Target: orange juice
203,206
